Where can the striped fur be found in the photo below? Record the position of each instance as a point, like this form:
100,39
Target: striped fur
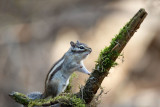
56,67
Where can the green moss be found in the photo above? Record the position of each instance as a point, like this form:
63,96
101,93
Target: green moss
68,99
19,97
71,100
108,54
105,60
20,94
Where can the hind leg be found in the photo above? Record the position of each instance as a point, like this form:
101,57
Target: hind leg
50,90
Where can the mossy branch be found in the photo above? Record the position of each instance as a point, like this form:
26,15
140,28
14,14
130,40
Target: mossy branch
63,100
19,98
108,56
105,61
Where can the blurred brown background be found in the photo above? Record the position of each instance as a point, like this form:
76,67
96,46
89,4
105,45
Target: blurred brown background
36,33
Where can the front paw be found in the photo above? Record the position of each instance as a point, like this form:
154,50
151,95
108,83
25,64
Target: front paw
81,66
89,73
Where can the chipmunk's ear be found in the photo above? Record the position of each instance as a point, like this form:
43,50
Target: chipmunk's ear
72,44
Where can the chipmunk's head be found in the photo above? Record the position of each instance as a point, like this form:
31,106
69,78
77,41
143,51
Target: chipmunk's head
80,49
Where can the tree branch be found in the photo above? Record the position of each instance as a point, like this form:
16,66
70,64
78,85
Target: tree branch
63,100
108,56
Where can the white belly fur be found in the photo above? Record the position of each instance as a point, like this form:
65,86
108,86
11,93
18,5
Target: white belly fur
61,82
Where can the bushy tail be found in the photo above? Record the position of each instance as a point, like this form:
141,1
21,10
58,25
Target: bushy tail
34,95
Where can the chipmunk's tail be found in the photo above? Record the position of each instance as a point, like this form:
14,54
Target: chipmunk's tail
34,95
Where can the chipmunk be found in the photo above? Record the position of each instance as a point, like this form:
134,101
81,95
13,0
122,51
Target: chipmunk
58,77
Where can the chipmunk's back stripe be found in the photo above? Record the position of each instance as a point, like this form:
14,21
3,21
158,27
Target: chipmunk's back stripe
56,67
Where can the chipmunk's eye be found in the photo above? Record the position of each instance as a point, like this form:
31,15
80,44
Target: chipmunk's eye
81,47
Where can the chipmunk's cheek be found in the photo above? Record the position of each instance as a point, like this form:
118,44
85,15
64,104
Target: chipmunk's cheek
88,52
86,55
